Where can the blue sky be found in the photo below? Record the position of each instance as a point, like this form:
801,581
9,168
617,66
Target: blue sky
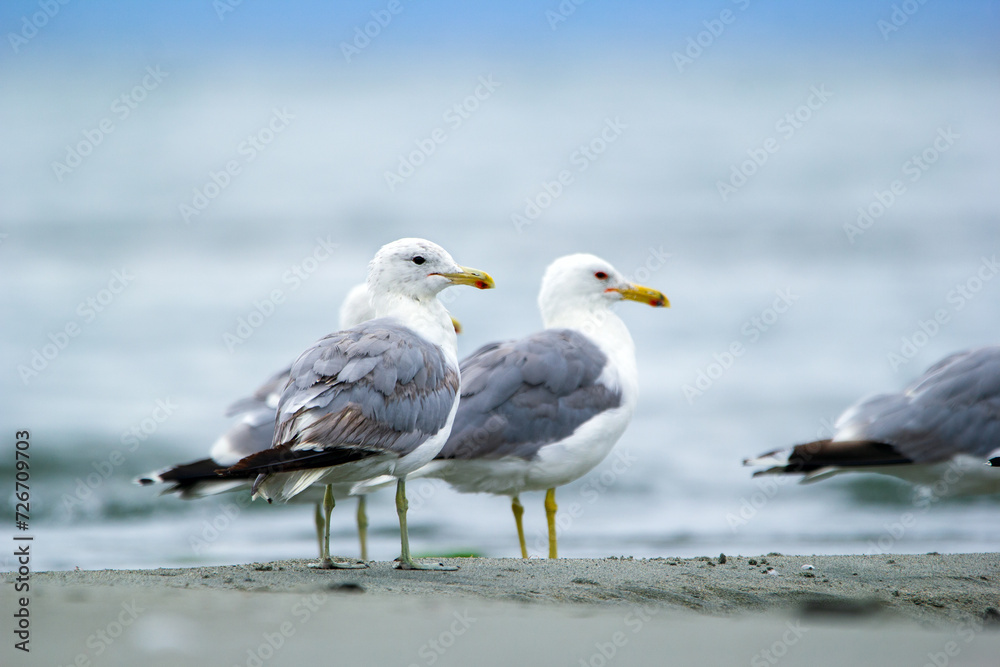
517,28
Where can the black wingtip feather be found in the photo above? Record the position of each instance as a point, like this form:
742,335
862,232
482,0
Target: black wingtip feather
820,454
285,459
184,476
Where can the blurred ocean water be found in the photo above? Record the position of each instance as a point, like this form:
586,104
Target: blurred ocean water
823,233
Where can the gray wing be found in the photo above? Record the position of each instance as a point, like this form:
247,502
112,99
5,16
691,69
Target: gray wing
266,396
255,430
519,396
952,408
372,389
253,433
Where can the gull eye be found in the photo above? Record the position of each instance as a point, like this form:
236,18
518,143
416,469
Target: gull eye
418,260
601,275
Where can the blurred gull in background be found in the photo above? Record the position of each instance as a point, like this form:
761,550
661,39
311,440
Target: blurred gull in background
937,433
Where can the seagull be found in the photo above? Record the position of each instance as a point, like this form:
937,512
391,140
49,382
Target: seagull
253,433
375,399
937,433
539,412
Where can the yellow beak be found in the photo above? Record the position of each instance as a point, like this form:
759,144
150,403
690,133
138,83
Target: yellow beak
473,277
458,325
642,294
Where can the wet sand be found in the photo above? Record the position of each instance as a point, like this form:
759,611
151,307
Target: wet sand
905,609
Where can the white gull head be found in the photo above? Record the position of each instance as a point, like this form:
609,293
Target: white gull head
404,279
578,292
577,287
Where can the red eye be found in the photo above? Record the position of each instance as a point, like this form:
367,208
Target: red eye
601,275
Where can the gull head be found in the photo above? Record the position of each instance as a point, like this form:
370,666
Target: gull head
587,282
418,269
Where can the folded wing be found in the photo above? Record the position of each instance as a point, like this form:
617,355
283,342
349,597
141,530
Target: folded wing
518,396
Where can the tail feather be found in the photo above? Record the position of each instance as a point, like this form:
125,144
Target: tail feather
286,458
193,480
821,456
283,486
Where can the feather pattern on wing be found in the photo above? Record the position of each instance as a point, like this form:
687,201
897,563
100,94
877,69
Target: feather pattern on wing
518,396
266,396
376,388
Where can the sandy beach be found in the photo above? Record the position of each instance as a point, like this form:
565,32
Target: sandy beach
908,609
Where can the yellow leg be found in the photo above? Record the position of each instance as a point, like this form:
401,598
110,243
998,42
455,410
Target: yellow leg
550,514
518,509
363,527
405,561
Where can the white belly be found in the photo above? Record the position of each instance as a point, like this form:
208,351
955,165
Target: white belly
556,464
285,485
